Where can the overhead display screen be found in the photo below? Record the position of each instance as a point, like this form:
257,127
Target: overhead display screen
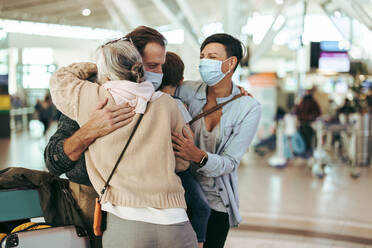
329,56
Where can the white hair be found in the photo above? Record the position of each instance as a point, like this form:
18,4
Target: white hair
119,60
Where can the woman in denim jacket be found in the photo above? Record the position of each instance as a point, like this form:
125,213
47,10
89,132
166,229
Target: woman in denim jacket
221,138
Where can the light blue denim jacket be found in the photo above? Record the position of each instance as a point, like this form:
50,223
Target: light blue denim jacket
238,126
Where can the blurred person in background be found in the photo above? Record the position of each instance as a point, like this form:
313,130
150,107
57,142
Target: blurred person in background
45,111
269,144
346,110
307,111
294,144
222,137
197,204
16,103
65,151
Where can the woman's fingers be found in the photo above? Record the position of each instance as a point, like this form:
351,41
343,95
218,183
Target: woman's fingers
187,132
178,154
177,147
177,140
179,136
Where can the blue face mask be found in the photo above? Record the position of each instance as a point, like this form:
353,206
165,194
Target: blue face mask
210,71
154,78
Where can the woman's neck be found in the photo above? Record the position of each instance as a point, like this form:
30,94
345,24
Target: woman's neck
169,90
222,89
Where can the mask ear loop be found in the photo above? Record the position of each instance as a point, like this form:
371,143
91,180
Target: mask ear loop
229,66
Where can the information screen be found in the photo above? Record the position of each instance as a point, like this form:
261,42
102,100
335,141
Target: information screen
329,56
334,62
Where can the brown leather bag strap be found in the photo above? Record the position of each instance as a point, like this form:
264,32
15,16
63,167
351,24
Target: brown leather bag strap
121,156
211,110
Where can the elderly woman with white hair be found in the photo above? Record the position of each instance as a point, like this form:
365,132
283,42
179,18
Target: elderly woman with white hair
144,197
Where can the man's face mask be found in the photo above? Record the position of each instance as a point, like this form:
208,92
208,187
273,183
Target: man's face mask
154,78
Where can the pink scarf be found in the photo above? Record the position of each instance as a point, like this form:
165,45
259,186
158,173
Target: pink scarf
136,94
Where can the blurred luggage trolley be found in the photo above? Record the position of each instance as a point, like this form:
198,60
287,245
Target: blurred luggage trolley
23,205
341,145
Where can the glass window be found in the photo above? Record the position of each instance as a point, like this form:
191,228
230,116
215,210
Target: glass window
37,67
37,56
4,62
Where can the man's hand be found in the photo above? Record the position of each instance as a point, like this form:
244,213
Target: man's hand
102,122
106,120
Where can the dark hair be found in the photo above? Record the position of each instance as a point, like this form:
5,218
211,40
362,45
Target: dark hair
233,46
173,69
142,35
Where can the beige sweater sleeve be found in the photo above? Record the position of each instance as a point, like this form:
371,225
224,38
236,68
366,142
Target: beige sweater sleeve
72,94
178,124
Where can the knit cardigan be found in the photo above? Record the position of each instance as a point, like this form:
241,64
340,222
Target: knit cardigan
146,174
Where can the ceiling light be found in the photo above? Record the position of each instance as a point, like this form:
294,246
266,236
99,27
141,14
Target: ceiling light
86,12
280,2
337,14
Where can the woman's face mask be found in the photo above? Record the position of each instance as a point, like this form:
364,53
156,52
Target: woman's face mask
211,72
154,78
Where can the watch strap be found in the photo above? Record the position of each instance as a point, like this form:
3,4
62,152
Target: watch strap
204,160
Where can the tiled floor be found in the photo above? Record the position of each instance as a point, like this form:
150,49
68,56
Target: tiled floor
293,198
238,239
280,207
24,150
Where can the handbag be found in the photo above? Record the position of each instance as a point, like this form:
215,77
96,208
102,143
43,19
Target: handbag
99,222
211,110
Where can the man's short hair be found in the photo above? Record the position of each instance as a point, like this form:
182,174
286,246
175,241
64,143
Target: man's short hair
173,69
233,46
143,35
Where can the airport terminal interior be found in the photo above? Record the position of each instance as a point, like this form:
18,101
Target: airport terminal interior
298,188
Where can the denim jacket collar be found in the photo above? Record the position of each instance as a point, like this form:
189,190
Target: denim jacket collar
201,93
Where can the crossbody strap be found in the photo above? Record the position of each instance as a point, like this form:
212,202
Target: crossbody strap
120,157
213,109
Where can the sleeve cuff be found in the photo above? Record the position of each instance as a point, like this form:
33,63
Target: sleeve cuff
60,156
210,165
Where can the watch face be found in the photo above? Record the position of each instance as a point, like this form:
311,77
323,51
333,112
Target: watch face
204,161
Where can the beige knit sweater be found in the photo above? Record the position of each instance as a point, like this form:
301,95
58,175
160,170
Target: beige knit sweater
146,175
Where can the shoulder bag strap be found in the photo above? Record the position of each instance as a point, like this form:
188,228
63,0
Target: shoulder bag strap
121,156
213,109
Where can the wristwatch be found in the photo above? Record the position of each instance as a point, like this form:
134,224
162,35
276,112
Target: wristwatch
204,160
